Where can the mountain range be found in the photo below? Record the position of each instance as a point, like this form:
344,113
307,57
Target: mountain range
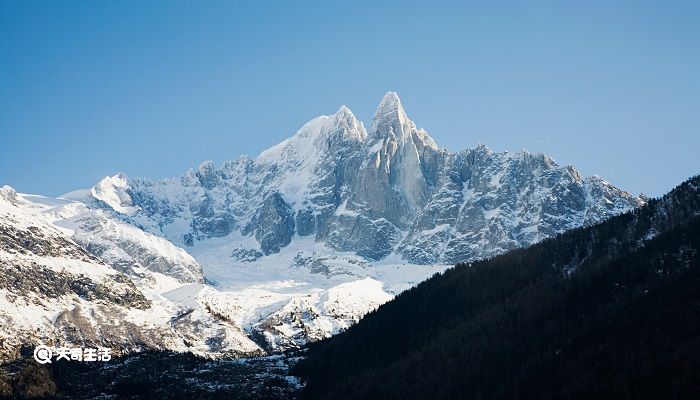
268,253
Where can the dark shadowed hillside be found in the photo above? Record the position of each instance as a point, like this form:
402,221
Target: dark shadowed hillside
609,311
151,375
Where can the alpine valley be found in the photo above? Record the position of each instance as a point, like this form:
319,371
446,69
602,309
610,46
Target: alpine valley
265,254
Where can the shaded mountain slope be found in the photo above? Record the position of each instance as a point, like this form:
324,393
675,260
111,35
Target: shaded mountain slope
608,311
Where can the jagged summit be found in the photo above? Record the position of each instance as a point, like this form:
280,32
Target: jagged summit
8,193
313,138
344,111
390,102
112,191
390,117
391,122
346,122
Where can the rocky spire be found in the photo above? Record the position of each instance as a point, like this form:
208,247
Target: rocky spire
390,117
346,121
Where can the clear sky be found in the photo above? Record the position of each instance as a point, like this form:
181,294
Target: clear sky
88,89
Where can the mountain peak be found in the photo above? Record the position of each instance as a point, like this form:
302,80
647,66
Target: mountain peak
390,119
8,193
390,100
390,116
390,105
345,120
113,191
344,111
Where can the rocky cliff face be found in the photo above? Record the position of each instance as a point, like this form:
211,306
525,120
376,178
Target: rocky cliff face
487,203
389,190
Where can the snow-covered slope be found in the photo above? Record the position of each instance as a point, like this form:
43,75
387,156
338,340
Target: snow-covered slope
76,275
115,242
54,291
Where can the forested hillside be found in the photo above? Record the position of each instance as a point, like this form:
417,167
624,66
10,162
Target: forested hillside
609,311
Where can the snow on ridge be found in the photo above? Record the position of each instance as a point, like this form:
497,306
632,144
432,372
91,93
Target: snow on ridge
121,242
112,191
297,146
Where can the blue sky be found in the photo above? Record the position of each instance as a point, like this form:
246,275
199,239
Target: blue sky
91,88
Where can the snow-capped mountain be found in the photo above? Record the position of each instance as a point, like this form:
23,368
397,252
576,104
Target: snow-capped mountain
293,245
391,190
